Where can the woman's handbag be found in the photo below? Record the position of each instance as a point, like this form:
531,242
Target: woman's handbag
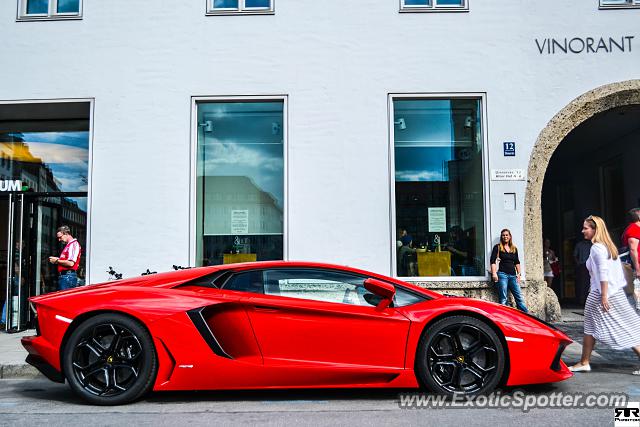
629,275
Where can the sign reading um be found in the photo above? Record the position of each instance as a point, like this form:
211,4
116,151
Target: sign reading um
11,185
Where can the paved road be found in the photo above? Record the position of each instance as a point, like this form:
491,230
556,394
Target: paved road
38,401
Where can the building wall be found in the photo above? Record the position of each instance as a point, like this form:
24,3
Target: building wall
337,62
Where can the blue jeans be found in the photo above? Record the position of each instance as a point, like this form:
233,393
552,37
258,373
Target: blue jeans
510,282
67,281
14,282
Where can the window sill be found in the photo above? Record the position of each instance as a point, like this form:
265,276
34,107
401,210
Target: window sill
49,18
432,10
238,13
619,6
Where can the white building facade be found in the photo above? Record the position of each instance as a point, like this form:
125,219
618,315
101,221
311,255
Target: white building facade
337,123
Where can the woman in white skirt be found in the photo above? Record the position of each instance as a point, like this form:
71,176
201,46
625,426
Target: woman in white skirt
608,315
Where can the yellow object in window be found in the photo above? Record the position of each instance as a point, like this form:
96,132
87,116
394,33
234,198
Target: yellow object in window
234,258
434,263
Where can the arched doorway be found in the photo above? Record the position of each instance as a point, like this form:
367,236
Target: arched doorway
594,113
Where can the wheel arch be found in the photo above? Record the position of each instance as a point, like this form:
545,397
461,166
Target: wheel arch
482,318
80,319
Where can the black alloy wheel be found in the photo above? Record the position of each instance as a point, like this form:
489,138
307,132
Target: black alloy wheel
110,359
460,354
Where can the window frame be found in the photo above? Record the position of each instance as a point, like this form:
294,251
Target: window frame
433,7
482,97
51,15
195,100
241,10
628,4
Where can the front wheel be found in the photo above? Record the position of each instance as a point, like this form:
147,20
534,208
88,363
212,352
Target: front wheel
460,355
110,360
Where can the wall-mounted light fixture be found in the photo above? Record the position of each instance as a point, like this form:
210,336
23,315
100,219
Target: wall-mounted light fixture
207,125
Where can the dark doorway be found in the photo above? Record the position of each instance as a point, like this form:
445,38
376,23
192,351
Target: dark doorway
594,171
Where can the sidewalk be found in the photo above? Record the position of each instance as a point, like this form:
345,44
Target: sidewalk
12,354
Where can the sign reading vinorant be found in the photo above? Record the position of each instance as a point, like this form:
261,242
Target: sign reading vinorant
577,45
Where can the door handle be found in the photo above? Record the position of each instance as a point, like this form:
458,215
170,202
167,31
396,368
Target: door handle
265,309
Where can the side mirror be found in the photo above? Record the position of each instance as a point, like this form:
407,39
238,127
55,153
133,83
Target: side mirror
383,289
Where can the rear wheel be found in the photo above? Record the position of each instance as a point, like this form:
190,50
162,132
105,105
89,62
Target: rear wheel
460,355
110,360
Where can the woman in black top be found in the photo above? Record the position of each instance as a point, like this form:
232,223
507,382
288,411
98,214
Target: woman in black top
505,270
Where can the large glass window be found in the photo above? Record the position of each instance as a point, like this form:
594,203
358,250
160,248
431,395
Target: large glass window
49,9
239,182
433,5
217,7
439,208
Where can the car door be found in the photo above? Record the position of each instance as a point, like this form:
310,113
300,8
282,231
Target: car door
317,317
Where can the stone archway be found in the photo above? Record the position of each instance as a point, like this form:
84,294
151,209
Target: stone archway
543,301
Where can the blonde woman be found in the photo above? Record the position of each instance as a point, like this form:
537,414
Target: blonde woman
505,270
608,316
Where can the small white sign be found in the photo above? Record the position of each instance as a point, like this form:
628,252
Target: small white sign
239,222
437,220
507,175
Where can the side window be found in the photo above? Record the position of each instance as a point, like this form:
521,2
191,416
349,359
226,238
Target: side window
317,285
250,281
403,298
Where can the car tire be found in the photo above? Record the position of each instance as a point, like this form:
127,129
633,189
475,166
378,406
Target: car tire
109,359
460,355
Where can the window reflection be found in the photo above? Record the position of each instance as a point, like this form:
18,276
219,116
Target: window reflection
68,6
439,187
37,6
240,173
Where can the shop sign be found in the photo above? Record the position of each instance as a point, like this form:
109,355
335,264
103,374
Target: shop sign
507,175
584,45
11,185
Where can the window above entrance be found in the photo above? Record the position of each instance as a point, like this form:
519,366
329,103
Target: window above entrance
33,10
619,4
434,5
240,7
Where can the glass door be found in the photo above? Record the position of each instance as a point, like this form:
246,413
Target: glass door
30,234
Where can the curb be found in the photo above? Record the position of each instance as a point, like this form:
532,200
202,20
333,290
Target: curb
18,370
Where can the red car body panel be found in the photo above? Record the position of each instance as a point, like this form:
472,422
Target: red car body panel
270,341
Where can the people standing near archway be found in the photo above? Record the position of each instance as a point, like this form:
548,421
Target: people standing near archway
550,259
631,240
505,270
608,316
581,253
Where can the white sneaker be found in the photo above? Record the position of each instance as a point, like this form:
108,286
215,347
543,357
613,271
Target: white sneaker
581,368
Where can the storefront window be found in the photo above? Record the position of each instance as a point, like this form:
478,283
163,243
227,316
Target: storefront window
239,182
439,209
44,180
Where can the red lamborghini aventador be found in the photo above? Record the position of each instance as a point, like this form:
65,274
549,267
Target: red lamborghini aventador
283,325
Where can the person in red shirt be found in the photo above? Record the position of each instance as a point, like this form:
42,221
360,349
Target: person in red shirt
631,238
69,260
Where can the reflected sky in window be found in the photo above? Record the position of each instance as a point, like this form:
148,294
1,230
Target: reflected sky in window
37,6
423,131
65,154
68,6
243,139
